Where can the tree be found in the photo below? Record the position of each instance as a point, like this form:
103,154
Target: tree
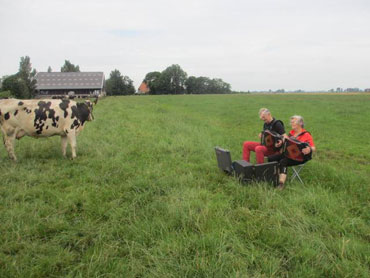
152,80
16,85
119,85
205,85
113,83
69,67
191,85
49,69
26,87
198,85
218,86
27,74
128,86
172,80
1,81
23,83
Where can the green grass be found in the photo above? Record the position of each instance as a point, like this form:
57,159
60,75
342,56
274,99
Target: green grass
144,198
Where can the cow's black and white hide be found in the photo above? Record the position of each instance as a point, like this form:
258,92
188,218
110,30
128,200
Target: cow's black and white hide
43,118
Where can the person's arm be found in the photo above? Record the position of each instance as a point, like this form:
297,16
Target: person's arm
279,128
308,149
263,130
311,147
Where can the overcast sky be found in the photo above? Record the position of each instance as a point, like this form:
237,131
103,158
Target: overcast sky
251,44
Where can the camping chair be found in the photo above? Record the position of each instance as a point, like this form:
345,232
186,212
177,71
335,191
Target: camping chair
296,170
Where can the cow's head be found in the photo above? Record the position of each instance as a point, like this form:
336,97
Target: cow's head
89,105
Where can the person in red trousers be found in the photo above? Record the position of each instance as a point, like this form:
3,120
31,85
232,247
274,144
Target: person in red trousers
261,151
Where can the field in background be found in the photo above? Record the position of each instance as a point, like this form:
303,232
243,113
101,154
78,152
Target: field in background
144,198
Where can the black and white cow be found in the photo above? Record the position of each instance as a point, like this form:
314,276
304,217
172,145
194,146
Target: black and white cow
43,118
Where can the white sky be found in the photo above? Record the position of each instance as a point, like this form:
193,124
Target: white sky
251,44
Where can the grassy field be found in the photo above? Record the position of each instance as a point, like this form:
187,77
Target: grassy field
144,198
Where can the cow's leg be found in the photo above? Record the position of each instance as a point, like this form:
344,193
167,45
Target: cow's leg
3,133
9,145
64,145
20,134
72,141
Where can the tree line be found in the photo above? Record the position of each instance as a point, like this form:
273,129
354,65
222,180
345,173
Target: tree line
23,83
172,80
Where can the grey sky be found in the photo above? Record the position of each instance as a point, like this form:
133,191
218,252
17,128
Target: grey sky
253,45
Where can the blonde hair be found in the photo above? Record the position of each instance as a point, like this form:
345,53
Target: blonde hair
298,119
264,111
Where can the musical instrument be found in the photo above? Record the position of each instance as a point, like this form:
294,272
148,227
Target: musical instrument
270,138
293,150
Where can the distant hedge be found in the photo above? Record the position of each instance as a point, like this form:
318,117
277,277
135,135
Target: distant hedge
5,94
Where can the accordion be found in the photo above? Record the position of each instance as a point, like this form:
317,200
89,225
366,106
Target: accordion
293,150
269,139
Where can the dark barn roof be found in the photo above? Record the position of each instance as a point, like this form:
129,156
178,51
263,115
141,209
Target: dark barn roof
69,80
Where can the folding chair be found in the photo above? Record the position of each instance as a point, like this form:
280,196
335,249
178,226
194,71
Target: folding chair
296,170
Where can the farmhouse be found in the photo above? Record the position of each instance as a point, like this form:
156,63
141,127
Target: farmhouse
143,88
72,84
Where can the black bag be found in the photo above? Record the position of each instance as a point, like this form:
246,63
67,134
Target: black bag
247,173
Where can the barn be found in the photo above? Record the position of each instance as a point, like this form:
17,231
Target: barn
72,84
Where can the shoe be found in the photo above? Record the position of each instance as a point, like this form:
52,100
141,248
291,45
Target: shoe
280,186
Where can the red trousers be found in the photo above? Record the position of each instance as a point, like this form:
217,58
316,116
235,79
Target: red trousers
261,151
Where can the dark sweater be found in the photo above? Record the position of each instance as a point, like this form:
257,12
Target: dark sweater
275,125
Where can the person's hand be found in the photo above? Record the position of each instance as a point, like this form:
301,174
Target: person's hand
306,150
278,143
260,135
